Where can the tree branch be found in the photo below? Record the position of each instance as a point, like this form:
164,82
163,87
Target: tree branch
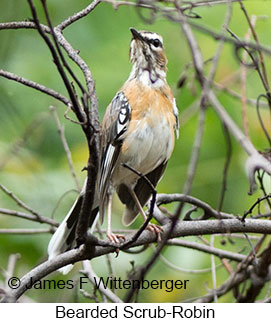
36,86
210,250
78,15
40,219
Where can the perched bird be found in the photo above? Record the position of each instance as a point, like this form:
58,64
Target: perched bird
138,130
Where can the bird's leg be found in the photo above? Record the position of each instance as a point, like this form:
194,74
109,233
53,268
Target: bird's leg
115,238
151,227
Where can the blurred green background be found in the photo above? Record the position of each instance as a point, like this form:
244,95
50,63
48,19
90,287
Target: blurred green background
37,170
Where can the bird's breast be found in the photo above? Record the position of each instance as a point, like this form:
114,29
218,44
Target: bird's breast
148,144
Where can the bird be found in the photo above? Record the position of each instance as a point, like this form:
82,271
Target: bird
138,130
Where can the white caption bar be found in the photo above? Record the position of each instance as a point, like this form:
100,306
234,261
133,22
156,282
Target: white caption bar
33,313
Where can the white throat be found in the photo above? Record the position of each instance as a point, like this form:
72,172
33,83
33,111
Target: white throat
153,79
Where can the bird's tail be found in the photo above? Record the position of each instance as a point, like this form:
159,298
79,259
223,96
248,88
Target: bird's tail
64,237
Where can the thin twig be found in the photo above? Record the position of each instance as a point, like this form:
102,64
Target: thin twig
40,219
209,211
12,261
58,50
252,248
236,95
19,202
226,168
255,36
198,65
208,249
253,64
195,154
66,148
184,270
16,146
243,82
78,15
260,118
25,231
36,86
259,200
108,257
152,203
88,271
56,60
213,269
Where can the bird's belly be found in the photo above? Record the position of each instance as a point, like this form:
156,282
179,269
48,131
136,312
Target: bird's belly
145,148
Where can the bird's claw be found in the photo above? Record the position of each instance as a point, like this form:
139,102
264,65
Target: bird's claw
154,228
115,238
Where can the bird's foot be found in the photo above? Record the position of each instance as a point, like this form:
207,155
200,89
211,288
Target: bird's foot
155,229
115,238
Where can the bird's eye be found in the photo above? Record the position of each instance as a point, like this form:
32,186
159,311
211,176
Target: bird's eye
156,43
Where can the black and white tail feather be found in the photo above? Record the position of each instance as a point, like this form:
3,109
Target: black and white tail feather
64,237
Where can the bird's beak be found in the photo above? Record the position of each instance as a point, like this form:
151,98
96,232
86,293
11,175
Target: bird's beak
136,34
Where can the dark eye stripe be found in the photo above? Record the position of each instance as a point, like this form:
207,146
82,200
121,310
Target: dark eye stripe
155,42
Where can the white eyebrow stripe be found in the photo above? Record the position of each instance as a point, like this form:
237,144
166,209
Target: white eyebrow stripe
152,36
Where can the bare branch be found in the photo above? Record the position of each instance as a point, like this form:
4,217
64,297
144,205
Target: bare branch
195,153
19,202
244,81
40,219
22,25
25,231
88,271
209,211
213,270
226,168
230,283
78,15
12,260
208,249
236,95
255,161
183,270
36,86
255,36
66,148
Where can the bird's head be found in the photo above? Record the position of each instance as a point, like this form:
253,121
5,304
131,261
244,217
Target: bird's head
147,53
